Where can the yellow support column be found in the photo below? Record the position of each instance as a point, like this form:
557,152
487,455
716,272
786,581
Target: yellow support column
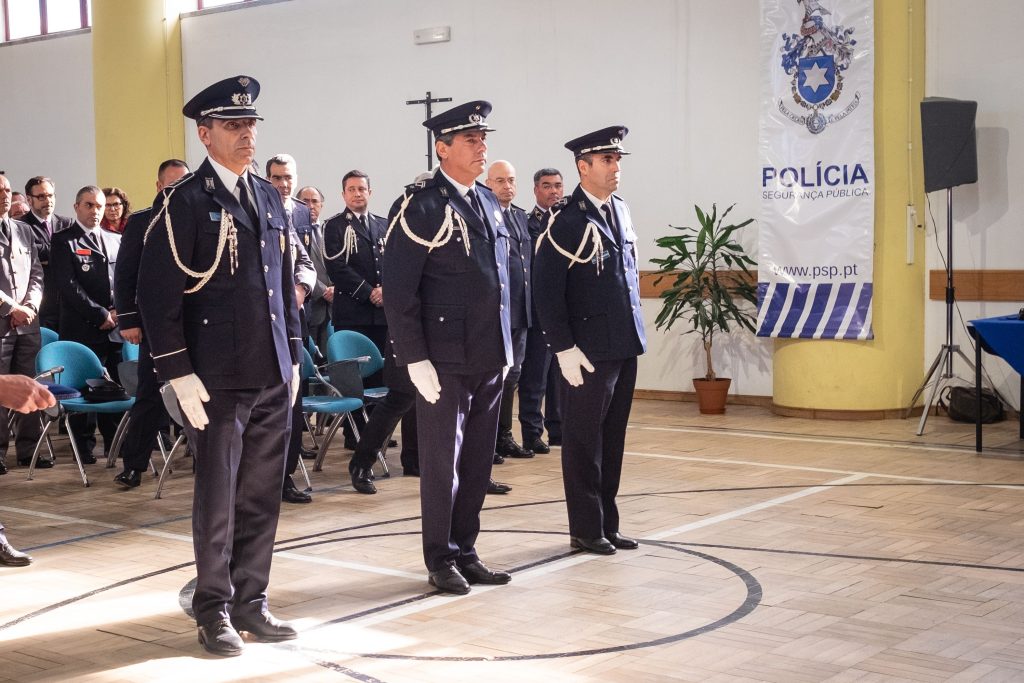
137,92
850,379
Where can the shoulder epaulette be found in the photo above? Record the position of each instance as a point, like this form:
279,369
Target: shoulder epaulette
337,215
516,206
298,201
181,181
560,204
262,179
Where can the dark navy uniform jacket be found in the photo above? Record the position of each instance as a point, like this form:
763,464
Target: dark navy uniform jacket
355,277
241,330
537,221
49,307
80,267
443,304
520,264
309,238
126,272
598,311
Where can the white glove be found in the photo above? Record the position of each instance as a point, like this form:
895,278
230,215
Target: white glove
191,396
573,362
296,383
424,378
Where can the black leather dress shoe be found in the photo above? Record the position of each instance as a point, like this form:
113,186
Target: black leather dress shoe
265,627
87,459
219,638
3,467
477,572
598,546
537,446
129,479
411,471
499,459
362,480
497,487
11,556
291,494
622,542
41,464
508,447
307,453
449,580
392,443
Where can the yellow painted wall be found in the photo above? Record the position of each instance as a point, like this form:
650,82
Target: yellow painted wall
137,80
883,373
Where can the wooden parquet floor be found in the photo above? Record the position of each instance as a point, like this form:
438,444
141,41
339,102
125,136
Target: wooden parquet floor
773,549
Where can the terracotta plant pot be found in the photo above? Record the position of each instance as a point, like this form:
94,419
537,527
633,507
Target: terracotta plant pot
711,394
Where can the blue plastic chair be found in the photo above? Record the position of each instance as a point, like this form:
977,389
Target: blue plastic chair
48,335
337,405
348,345
80,364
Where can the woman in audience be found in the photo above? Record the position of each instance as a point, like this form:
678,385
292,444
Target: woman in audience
115,215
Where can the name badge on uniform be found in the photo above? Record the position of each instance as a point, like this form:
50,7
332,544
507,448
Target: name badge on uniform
215,216
83,252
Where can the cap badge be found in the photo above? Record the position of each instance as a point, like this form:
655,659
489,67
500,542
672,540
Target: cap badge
475,118
615,141
242,98
244,81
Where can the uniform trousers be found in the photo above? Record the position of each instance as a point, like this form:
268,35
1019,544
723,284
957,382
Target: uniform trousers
398,405
146,418
539,382
508,389
18,357
594,421
239,461
378,334
456,439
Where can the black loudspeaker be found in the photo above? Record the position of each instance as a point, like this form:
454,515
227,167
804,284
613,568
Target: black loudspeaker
947,136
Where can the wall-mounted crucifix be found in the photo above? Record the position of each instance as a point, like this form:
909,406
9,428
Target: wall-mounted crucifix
428,101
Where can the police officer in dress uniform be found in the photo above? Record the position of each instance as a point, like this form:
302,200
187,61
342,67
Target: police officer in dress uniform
540,379
447,304
590,313
147,415
218,303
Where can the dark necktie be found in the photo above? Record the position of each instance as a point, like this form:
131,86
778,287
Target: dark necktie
513,230
5,229
362,224
609,218
474,201
246,201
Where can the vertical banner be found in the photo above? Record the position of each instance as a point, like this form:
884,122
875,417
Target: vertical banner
817,169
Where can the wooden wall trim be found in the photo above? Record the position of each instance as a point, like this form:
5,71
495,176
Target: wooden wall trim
649,290
978,285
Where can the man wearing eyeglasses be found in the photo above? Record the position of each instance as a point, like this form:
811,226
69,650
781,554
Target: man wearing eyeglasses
45,224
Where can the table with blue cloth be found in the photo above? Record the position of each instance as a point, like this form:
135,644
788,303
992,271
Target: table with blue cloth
1001,336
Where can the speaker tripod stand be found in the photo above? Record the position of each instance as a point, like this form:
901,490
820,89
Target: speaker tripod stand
944,360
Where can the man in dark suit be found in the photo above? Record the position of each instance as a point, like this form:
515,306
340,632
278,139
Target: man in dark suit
283,175
82,259
21,291
540,379
220,311
45,224
590,313
148,415
447,303
501,179
318,308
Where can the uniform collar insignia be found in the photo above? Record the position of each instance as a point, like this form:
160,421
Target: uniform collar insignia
209,183
444,192
583,205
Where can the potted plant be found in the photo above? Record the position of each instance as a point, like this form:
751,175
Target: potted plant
712,289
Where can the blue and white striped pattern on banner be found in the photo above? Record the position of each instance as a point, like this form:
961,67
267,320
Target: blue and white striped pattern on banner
808,311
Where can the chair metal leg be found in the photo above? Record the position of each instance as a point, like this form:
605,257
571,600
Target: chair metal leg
382,455
321,452
305,475
74,449
45,436
167,465
115,447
